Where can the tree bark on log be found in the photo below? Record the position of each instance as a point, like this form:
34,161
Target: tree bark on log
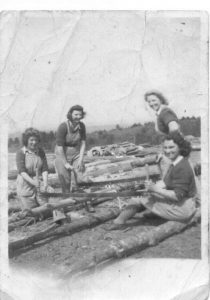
135,243
139,173
67,229
77,206
113,165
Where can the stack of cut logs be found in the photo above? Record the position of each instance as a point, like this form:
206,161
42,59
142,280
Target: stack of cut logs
105,178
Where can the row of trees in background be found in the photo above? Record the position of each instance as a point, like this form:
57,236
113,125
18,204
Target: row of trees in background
137,134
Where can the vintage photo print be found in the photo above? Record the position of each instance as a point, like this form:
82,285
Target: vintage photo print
104,155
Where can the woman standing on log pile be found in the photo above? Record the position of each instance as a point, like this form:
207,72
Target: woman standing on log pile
70,148
174,198
167,120
31,163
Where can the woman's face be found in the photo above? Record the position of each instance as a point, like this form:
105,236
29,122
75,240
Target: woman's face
154,102
171,150
76,116
32,143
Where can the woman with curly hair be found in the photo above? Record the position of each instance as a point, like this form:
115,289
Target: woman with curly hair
31,163
167,120
174,197
70,147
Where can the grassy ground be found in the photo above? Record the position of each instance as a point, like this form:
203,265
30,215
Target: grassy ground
59,254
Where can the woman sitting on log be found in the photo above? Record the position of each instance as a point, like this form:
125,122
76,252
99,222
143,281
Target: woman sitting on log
173,199
31,163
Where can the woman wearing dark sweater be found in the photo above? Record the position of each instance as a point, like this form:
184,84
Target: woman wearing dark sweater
167,120
174,198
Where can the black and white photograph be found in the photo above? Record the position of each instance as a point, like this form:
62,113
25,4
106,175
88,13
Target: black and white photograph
104,154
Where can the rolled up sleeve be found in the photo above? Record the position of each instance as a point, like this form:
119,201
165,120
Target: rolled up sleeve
180,183
83,131
169,116
61,135
44,161
20,162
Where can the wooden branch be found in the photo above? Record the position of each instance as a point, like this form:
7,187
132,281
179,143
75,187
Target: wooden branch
67,229
132,244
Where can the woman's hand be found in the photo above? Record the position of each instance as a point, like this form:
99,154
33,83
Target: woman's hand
48,189
81,166
150,186
36,183
159,158
68,166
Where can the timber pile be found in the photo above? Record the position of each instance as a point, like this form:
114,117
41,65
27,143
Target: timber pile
57,231
125,148
111,170
135,243
105,179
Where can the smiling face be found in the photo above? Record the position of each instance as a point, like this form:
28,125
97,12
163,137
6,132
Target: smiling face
76,116
154,102
32,143
171,150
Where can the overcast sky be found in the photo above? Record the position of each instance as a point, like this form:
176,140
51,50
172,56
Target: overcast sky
104,61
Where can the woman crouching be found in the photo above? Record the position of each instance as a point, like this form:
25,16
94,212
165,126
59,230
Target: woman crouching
31,163
174,198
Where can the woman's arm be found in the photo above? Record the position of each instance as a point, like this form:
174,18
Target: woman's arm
81,155
173,126
161,192
30,180
62,155
45,179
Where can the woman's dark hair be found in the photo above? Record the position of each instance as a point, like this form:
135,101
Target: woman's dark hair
28,133
160,96
75,107
178,139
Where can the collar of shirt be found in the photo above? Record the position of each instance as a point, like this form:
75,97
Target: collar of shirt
162,106
177,160
74,128
25,149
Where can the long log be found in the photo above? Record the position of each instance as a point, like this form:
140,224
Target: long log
122,166
77,206
67,229
44,211
97,161
138,173
113,164
132,244
25,222
88,196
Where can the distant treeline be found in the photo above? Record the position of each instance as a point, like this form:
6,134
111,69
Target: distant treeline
137,133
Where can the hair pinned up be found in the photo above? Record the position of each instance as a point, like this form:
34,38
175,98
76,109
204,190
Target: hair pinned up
75,107
160,96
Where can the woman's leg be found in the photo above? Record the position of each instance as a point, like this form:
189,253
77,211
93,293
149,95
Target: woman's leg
129,211
169,210
126,214
28,202
26,193
63,174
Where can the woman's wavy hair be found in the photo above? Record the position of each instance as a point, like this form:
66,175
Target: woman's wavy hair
160,96
29,132
75,107
184,145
